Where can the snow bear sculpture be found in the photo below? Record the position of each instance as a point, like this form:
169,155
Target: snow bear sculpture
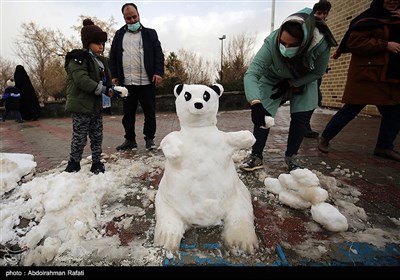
200,186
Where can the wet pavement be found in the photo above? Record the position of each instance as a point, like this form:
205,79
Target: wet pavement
288,237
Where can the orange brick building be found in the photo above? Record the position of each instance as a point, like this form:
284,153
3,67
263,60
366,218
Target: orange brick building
342,12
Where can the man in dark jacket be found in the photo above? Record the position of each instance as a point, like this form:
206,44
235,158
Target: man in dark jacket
137,63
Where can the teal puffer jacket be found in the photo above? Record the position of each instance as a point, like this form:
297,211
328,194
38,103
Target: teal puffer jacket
269,67
83,76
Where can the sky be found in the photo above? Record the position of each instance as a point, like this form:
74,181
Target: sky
192,25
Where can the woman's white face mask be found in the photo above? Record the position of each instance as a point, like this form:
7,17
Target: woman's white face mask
288,52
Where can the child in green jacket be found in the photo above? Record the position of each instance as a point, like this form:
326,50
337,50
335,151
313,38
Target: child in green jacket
88,82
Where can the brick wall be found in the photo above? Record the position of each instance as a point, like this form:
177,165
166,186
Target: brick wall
342,12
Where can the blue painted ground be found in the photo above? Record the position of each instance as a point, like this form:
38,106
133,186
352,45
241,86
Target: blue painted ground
340,254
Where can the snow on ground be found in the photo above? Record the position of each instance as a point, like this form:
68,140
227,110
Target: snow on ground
72,219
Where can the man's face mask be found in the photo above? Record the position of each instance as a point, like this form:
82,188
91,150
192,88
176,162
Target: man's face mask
134,27
288,52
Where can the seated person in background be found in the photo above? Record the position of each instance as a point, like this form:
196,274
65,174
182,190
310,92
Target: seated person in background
11,100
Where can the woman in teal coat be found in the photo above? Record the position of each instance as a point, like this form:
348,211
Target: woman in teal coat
287,67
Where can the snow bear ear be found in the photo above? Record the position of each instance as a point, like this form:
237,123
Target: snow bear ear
178,89
219,89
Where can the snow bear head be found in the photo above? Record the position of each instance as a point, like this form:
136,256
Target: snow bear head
197,105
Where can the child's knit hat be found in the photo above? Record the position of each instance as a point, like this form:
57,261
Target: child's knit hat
91,33
10,83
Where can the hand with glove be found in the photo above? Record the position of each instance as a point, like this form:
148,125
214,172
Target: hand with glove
100,89
281,88
258,114
120,91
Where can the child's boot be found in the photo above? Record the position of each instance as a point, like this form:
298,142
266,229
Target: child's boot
73,166
97,167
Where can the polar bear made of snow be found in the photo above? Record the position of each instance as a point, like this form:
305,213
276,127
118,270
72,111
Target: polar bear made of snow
200,186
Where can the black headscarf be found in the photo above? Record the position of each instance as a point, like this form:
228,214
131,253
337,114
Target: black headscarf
29,104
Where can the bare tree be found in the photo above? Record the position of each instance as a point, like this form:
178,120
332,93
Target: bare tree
196,68
236,60
107,26
174,67
43,50
7,68
54,72
38,48
173,74
184,68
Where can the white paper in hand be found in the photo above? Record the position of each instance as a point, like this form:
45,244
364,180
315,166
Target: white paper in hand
106,101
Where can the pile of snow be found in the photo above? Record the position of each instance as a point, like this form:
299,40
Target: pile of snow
301,190
13,167
78,219
62,217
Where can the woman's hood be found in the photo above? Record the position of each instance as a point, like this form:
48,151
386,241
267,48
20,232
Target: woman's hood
312,35
307,20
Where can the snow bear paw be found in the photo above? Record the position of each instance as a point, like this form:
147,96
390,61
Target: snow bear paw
168,241
172,150
248,139
245,240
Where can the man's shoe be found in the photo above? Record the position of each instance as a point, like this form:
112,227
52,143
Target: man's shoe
311,134
150,145
292,163
127,145
323,144
386,153
252,163
97,167
73,166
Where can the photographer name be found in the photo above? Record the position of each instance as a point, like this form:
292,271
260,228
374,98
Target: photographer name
55,273
46,273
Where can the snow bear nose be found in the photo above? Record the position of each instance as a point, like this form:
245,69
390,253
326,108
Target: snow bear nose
198,105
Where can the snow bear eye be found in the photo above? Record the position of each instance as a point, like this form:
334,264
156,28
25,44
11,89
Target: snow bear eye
206,96
187,96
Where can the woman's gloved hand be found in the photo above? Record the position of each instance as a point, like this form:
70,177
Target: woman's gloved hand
258,114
